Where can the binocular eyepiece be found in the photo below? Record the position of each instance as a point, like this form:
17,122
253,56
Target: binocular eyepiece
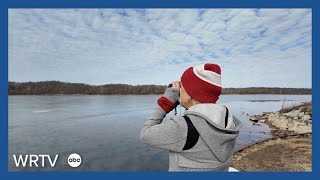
170,85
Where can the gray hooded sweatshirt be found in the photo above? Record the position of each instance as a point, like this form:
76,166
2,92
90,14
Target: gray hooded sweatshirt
214,148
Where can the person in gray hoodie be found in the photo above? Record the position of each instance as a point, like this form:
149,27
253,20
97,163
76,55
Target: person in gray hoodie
203,139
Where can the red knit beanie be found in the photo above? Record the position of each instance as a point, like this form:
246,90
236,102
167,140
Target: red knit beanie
203,82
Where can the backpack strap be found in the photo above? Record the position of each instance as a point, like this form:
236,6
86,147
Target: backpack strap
193,135
226,118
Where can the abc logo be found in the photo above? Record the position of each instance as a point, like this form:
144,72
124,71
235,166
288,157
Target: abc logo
74,160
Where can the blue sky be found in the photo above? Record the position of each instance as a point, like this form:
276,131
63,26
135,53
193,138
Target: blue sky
254,47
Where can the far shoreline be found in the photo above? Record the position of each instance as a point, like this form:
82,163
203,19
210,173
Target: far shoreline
66,88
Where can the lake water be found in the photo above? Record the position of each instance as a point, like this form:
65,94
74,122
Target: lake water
104,130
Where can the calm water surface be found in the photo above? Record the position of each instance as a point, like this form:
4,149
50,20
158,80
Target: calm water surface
105,130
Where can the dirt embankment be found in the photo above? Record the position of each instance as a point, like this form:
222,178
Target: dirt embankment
281,154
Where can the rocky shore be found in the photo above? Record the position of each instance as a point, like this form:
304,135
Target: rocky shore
286,153
295,119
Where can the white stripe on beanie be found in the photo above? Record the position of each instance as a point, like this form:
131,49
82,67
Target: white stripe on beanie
207,75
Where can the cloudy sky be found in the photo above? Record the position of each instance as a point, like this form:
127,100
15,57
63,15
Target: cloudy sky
254,47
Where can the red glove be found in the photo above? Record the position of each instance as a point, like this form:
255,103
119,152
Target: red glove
166,104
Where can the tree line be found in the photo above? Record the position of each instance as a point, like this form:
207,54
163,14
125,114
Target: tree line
57,87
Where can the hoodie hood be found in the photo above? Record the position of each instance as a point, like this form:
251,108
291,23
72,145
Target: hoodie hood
209,120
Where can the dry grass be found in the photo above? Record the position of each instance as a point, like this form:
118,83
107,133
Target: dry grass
305,107
283,154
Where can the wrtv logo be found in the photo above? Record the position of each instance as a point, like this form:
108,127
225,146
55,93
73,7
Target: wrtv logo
33,160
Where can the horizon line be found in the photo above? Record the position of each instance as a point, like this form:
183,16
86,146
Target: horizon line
145,84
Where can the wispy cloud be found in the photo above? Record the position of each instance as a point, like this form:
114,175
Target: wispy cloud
254,47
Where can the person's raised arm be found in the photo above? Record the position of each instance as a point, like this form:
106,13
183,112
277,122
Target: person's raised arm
169,135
